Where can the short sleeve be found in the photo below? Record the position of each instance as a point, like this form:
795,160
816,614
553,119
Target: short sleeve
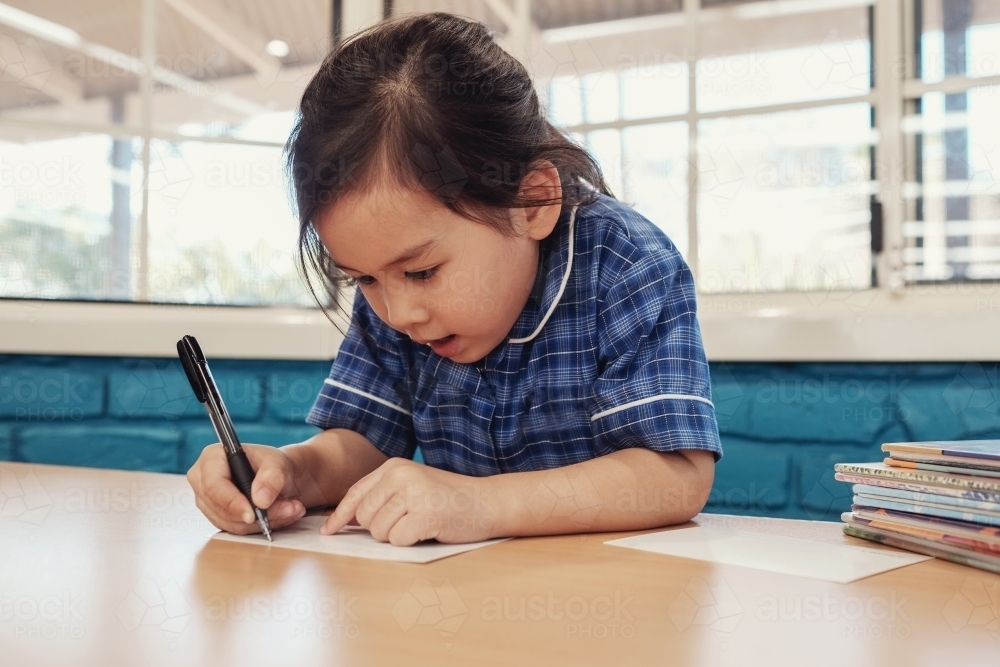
366,391
653,388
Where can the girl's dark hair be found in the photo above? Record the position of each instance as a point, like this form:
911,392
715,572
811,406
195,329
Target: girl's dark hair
428,100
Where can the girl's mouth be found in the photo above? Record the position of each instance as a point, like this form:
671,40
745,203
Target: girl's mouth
445,347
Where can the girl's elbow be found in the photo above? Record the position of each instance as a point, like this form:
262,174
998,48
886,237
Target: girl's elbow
700,475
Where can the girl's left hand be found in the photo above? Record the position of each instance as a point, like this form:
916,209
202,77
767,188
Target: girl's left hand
403,503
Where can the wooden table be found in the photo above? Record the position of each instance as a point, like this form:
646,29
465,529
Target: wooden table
116,568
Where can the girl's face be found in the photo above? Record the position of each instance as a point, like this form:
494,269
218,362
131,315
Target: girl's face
439,278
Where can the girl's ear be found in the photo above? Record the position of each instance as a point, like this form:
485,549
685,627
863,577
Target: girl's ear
541,184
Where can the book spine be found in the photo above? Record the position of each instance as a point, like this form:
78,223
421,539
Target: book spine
989,465
854,531
957,515
919,497
917,449
929,534
934,467
970,494
915,476
949,526
988,456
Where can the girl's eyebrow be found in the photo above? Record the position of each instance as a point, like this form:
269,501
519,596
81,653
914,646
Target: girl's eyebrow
405,256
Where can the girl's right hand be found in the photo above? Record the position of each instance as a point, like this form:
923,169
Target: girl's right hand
225,505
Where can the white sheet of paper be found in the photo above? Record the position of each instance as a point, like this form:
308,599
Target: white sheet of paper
839,563
352,541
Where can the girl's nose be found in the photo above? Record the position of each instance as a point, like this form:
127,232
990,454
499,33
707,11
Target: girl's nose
403,309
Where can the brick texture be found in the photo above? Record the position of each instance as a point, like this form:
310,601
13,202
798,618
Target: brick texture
101,447
6,444
31,391
783,426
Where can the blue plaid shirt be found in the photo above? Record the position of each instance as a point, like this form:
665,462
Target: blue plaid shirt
606,355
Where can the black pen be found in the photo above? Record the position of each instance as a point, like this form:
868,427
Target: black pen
196,368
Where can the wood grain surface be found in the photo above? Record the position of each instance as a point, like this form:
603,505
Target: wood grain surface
105,568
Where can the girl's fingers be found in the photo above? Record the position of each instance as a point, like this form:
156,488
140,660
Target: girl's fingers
285,512
348,507
373,502
222,523
212,482
228,501
409,530
382,522
345,512
332,525
282,513
267,484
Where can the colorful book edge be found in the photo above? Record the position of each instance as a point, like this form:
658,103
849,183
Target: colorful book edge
918,547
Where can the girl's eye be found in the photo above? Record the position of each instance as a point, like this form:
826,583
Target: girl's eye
426,274
364,281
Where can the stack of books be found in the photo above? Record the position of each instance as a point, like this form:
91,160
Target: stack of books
941,499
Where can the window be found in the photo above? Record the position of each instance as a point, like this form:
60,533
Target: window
148,168
780,126
952,225
778,119
781,144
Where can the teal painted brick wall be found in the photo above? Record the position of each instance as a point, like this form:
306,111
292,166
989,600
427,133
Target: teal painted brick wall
38,391
152,389
140,413
783,426
153,449
6,445
290,393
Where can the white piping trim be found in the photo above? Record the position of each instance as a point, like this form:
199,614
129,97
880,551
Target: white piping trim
384,402
562,287
611,411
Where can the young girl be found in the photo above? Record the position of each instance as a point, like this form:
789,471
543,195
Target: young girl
534,337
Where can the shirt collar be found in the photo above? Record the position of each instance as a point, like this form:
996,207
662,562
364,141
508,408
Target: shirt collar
554,267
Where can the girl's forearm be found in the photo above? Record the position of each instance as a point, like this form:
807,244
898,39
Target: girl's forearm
632,489
327,464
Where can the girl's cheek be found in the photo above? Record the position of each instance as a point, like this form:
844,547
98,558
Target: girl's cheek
374,300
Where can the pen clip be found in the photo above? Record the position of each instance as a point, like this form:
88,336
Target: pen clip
191,355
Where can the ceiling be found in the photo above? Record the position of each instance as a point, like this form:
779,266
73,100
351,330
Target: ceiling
73,57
